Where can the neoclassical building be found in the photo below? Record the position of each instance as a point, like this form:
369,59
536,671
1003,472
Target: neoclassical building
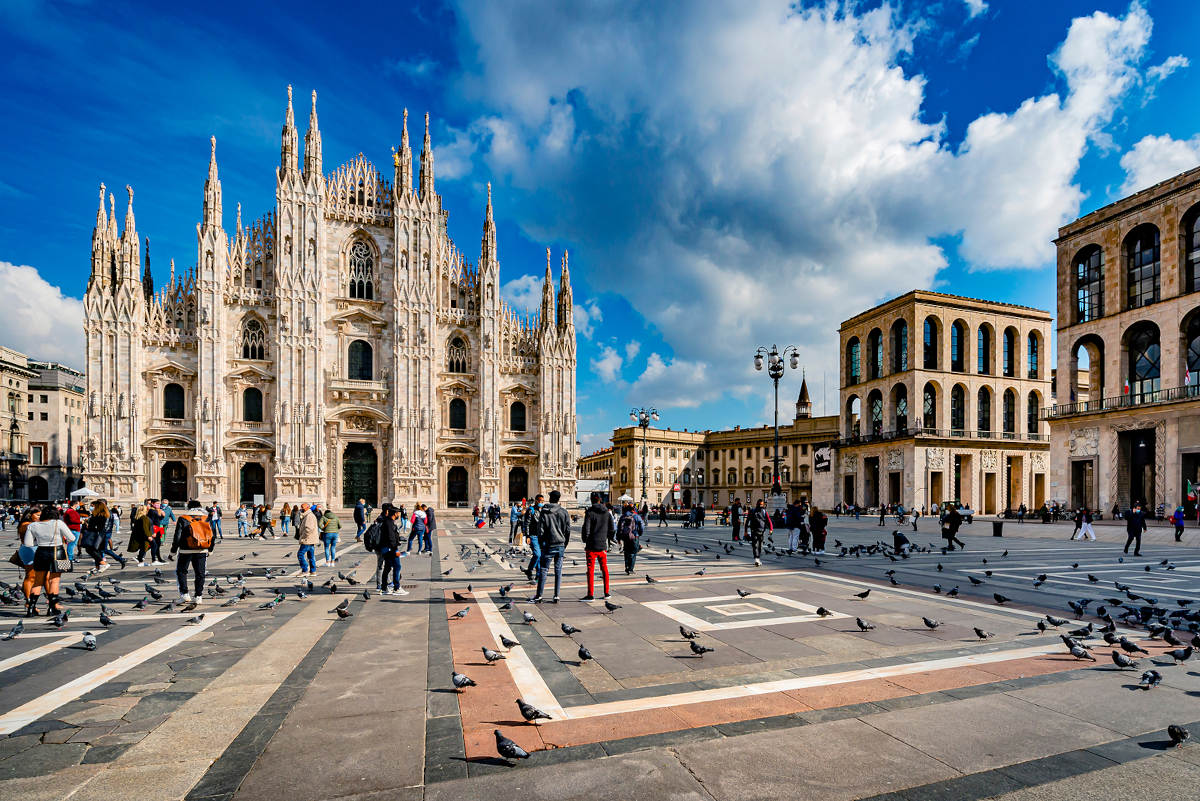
338,347
1127,425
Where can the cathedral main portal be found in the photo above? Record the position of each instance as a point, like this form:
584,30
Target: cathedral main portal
360,476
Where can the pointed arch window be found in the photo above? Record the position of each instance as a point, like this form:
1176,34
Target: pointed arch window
254,340
457,360
360,366
362,271
173,401
252,405
458,414
516,416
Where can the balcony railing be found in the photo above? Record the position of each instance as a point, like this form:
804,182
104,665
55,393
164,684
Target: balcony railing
1137,399
938,433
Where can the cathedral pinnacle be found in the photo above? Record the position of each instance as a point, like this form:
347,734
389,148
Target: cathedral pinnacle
548,295
129,224
288,146
427,164
565,316
147,276
487,255
101,220
402,160
312,144
212,189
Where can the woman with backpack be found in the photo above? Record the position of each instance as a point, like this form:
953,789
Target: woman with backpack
817,523
630,528
330,526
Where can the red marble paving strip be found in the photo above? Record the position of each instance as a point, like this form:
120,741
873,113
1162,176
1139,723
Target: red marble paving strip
948,679
712,713
850,692
562,733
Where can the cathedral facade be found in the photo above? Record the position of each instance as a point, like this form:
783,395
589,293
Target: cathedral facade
339,347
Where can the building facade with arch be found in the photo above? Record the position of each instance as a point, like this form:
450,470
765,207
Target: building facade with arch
1127,425
340,346
941,400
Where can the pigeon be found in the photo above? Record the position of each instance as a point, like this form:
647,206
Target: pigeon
699,650
953,593
1131,647
1150,679
491,656
344,613
508,749
688,634
864,625
1000,598
460,597
59,620
743,593
1180,654
1120,660
194,621
823,612
863,595
702,571
983,635
584,654
1170,639
651,580
939,567
507,605
611,607
89,641
461,613
1177,734
975,581
529,618
460,681
932,624
937,588
15,631
1056,621
1041,626
345,602
531,713
568,629
1079,652
507,643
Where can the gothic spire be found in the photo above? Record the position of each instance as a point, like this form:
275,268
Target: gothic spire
171,283
565,316
101,219
548,296
212,189
147,276
403,161
130,227
487,249
288,146
312,144
426,164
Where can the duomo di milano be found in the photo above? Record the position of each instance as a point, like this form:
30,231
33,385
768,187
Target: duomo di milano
340,347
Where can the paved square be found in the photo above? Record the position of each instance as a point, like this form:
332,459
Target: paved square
774,616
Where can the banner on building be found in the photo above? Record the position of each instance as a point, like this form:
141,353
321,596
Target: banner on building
822,458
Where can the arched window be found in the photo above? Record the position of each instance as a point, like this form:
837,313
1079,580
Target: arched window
12,402
875,409
958,346
254,340
732,476
749,475
900,405
516,416
929,407
1089,284
456,357
875,354
1009,363
853,415
899,346
853,361
931,344
252,405
984,350
173,401
359,362
362,271
958,409
1192,338
1145,361
1191,250
658,477
1032,408
1142,265
1009,414
1034,354
984,411
458,414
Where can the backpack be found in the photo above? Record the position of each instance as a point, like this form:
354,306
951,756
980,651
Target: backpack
371,536
197,536
625,529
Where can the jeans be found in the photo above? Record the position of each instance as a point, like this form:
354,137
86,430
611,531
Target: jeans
71,547
243,528
535,545
331,547
416,536
630,551
107,550
156,549
362,527
391,562
216,527
553,553
514,530
592,558
307,552
199,562
285,524
756,541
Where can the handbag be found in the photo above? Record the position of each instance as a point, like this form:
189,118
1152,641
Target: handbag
63,565
16,559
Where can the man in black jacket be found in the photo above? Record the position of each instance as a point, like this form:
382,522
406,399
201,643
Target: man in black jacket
192,551
554,532
1135,525
389,550
598,527
759,524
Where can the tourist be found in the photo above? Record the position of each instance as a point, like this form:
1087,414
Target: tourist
735,518
111,532
882,514
1083,525
533,530
285,519
1021,511
49,537
662,515
555,534
214,519
141,533
417,530
1178,519
516,517
900,543
389,551
193,541
157,516
597,529
360,519
1135,526
266,524
917,516
817,522
74,521
794,522
240,516
759,524
630,528
92,537
26,554
308,534
295,516
430,529
950,526
330,526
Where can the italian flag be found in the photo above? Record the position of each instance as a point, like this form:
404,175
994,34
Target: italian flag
1191,491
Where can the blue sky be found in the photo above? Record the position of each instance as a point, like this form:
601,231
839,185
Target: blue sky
724,174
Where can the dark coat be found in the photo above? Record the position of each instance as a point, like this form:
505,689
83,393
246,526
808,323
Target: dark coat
597,527
141,533
555,526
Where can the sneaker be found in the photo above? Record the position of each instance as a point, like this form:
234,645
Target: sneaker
400,591
607,596
102,568
554,600
587,598
142,564
199,600
183,599
159,562
758,563
537,599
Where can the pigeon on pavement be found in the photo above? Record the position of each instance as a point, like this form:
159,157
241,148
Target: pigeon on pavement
932,624
611,607
529,618
461,613
531,713
864,625
460,681
1000,598
863,595
15,631
1180,654
1120,660
743,593
698,649
1177,734
1150,679
584,654
509,749
983,635
344,613
688,634
89,641
1079,652
823,612
491,656
568,629
507,643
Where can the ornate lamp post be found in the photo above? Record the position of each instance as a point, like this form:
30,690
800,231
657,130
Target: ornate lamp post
775,369
643,417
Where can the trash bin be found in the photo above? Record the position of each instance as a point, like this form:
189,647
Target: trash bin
997,528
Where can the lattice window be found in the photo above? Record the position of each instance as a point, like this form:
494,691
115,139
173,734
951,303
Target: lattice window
362,271
457,360
254,340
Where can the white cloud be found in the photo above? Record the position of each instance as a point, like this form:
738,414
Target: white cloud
453,159
524,293
590,443
675,383
1164,70
632,349
608,364
586,315
975,7
1156,158
39,320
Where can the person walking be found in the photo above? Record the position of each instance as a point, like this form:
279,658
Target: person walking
214,518
285,519
1021,512
360,519
1084,525
556,535
630,527
26,553
308,534
735,519
389,551
817,523
240,515
950,526
420,523
92,536
597,529
193,541
882,514
112,530
515,518
533,530
430,529
759,524
794,522
916,517
662,515
267,523
141,533
1135,526
330,526
1078,523
74,521
1178,520
48,537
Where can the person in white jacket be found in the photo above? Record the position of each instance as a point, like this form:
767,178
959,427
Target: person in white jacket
46,537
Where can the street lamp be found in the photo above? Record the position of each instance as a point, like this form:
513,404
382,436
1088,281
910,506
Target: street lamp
775,369
643,417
